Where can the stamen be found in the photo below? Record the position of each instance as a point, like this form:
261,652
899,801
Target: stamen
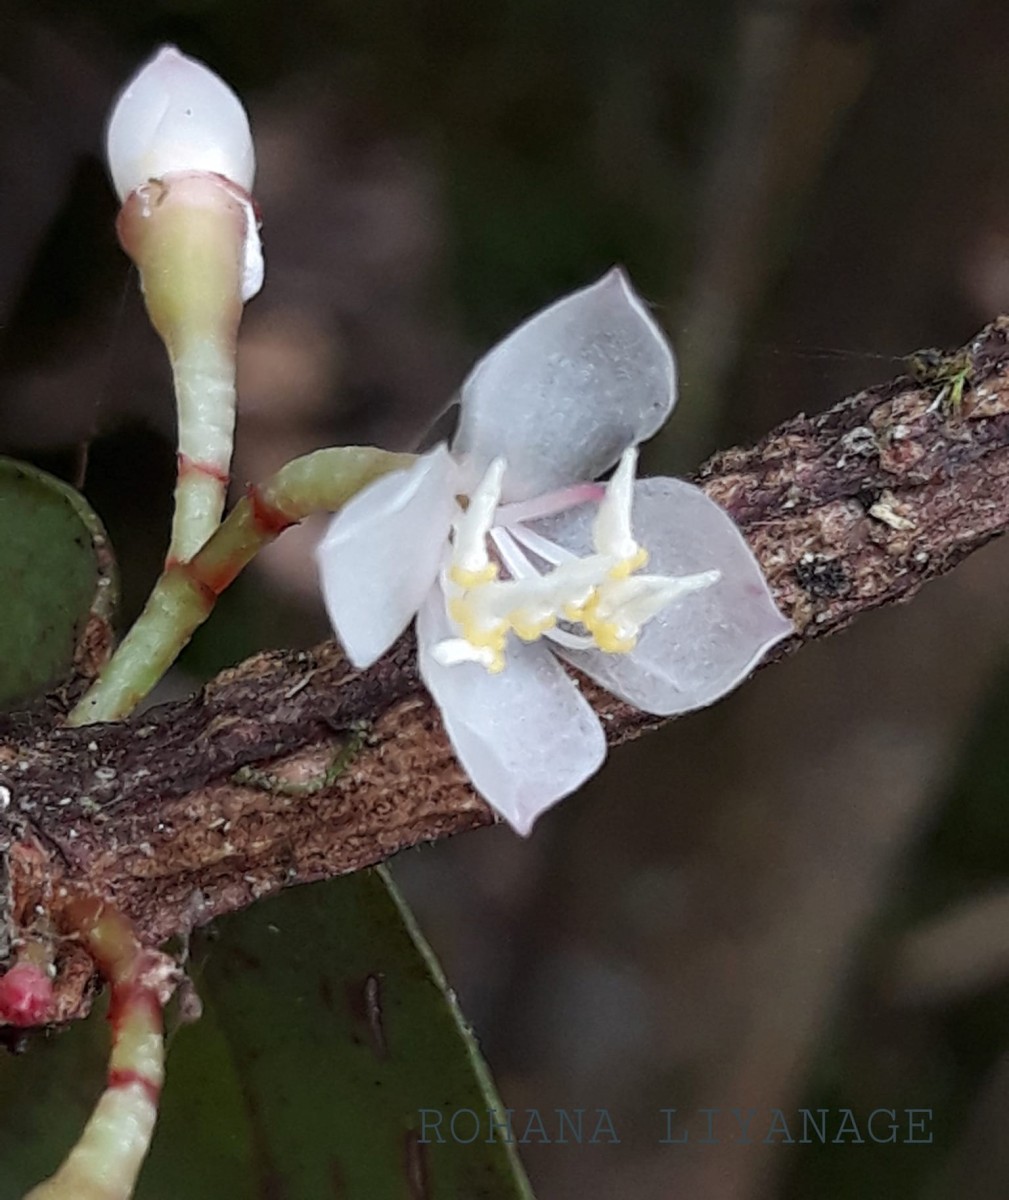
479,624
470,562
573,641
576,581
453,651
518,566
627,566
611,530
530,628
598,591
618,611
542,547
642,597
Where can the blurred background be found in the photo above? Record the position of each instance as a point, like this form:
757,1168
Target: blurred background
800,897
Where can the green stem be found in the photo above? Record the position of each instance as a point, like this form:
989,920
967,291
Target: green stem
107,1158
204,376
188,235
185,594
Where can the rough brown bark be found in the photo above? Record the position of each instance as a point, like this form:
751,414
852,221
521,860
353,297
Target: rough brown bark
179,815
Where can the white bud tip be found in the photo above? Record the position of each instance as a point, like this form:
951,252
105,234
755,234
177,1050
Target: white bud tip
175,114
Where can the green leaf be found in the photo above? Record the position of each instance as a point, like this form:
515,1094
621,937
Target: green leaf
46,1095
327,1027
58,583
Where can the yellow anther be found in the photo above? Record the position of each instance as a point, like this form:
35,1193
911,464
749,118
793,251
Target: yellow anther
529,629
576,612
489,634
463,578
600,592
493,637
628,566
607,635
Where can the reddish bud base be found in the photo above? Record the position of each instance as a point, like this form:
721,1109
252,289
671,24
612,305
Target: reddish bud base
26,995
125,1079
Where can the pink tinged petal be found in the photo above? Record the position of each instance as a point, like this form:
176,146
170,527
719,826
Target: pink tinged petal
563,396
174,115
526,737
549,503
708,641
383,551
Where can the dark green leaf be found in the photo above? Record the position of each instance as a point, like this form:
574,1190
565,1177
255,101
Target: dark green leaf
57,580
328,1026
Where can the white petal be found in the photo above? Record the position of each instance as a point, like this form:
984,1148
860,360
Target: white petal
563,396
175,114
382,553
708,641
253,267
526,737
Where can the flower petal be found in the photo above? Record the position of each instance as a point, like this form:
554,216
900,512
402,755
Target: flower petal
708,641
383,551
563,396
526,737
175,114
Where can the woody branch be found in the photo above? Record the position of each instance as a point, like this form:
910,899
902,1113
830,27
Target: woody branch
199,808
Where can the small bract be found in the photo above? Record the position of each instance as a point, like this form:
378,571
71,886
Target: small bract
176,115
510,560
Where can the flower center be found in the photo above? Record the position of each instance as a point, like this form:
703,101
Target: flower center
600,593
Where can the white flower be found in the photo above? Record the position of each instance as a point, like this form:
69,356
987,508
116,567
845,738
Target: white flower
176,115
509,560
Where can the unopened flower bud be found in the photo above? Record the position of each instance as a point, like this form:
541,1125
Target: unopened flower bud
176,115
181,159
